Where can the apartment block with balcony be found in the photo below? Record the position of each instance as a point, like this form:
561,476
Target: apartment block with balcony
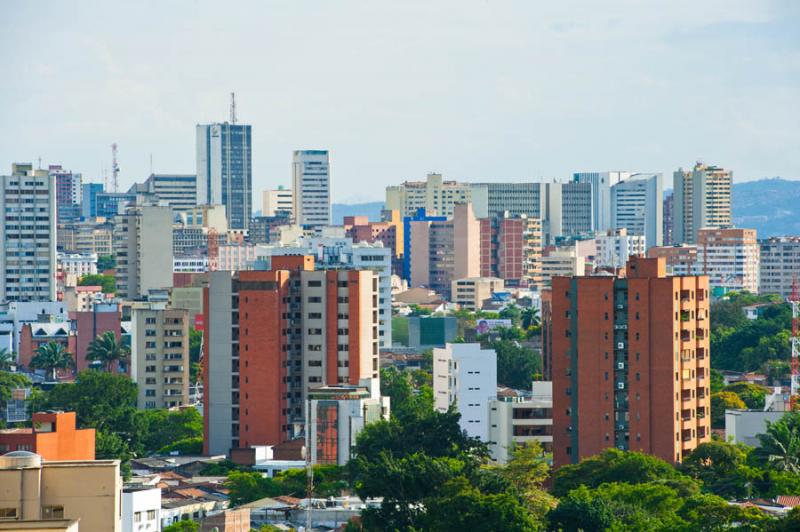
437,196
520,420
779,264
630,357
730,258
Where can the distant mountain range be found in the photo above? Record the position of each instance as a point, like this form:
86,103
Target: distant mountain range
771,206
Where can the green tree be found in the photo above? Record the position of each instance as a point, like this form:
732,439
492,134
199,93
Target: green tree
106,262
107,350
530,317
516,363
722,468
182,526
779,447
526,472
7,359
160,428
579,511
717,381
410,397
195,345
720,402
106,282
52,357
9,381
751,394
513,313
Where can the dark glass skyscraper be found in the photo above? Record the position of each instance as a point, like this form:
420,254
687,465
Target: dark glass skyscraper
225,171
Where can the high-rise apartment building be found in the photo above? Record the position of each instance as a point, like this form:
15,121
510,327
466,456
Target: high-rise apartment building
701,200
521,419
85,237
511,249
680,260
389,231
729,257
490,200
616,246
780,263
277,201
273,335
442,251
28,234
637,206
225,170
179,191
465,376
160,355
437,196
143,250
601,183
68,193
311,188
630,363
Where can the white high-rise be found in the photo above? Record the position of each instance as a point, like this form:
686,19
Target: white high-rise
28,234
464,375
311,186
601,195
637,205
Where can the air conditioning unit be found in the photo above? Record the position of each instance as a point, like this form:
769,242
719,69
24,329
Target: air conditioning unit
620,345
620,365
620,386
620,427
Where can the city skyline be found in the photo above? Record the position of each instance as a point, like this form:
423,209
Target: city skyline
474,91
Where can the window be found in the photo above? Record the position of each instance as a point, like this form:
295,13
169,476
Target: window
137,517
151,514
8,513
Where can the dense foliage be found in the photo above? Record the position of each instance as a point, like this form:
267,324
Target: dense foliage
245,486
106,282
410,393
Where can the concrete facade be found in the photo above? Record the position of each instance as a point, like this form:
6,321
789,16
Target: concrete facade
521,420
701,199
311,188
730,258
143,250
779,263
637,206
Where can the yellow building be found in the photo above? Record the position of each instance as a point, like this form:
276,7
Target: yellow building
31,490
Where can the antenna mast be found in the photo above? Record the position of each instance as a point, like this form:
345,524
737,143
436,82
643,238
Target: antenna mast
233,108
794,300
114,167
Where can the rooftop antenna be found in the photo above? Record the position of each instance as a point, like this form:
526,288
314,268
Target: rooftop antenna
40,163
114,168
233,108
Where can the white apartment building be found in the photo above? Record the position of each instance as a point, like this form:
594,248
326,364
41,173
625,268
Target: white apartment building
141,509
780,262
562,262
465,376
615,247
437,196
342,253
520,420
311,187
143,250
160,355
730,258
275,201
28,235
77,264
637,205
233,257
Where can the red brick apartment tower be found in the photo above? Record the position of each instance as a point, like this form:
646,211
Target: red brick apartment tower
630,363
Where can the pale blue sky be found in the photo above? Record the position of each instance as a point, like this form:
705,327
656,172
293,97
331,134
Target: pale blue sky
477,90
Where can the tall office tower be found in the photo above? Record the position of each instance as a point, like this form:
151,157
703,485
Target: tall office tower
637,205
465,375
68,193
437,196
780,257
576,209
667,223
277,201
511,249
616,247
442,251
729,257
89,193
701,200
601,183
160,355
225,170
272,336
28,234
179,191
630,363
490,200
311,188
143,250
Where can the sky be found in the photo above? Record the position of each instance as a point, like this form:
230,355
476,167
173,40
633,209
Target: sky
476,90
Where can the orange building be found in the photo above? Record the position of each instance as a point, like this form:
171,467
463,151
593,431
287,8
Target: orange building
630,363
53,437
271,336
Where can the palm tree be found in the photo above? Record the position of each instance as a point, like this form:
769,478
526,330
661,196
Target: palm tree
7,359
530,317
780,445
51,357
107,350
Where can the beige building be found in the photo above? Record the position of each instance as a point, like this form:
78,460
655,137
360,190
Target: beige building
91,236
275,201
160,355
780,262
206,217
730,258
189,298
143,249
443,251
32,490
470,293
521,420
82,298
701,199
437,196
562,262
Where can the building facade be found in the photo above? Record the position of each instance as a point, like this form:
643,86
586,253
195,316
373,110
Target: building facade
730,258
779,264
601,184
437,196
470,293
615,247
68,193
225,170
637,205
680,260
511,248
179,191
630,363
276,201
28,233
701,200
53,436
576,209
519,420
311,188
143,250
